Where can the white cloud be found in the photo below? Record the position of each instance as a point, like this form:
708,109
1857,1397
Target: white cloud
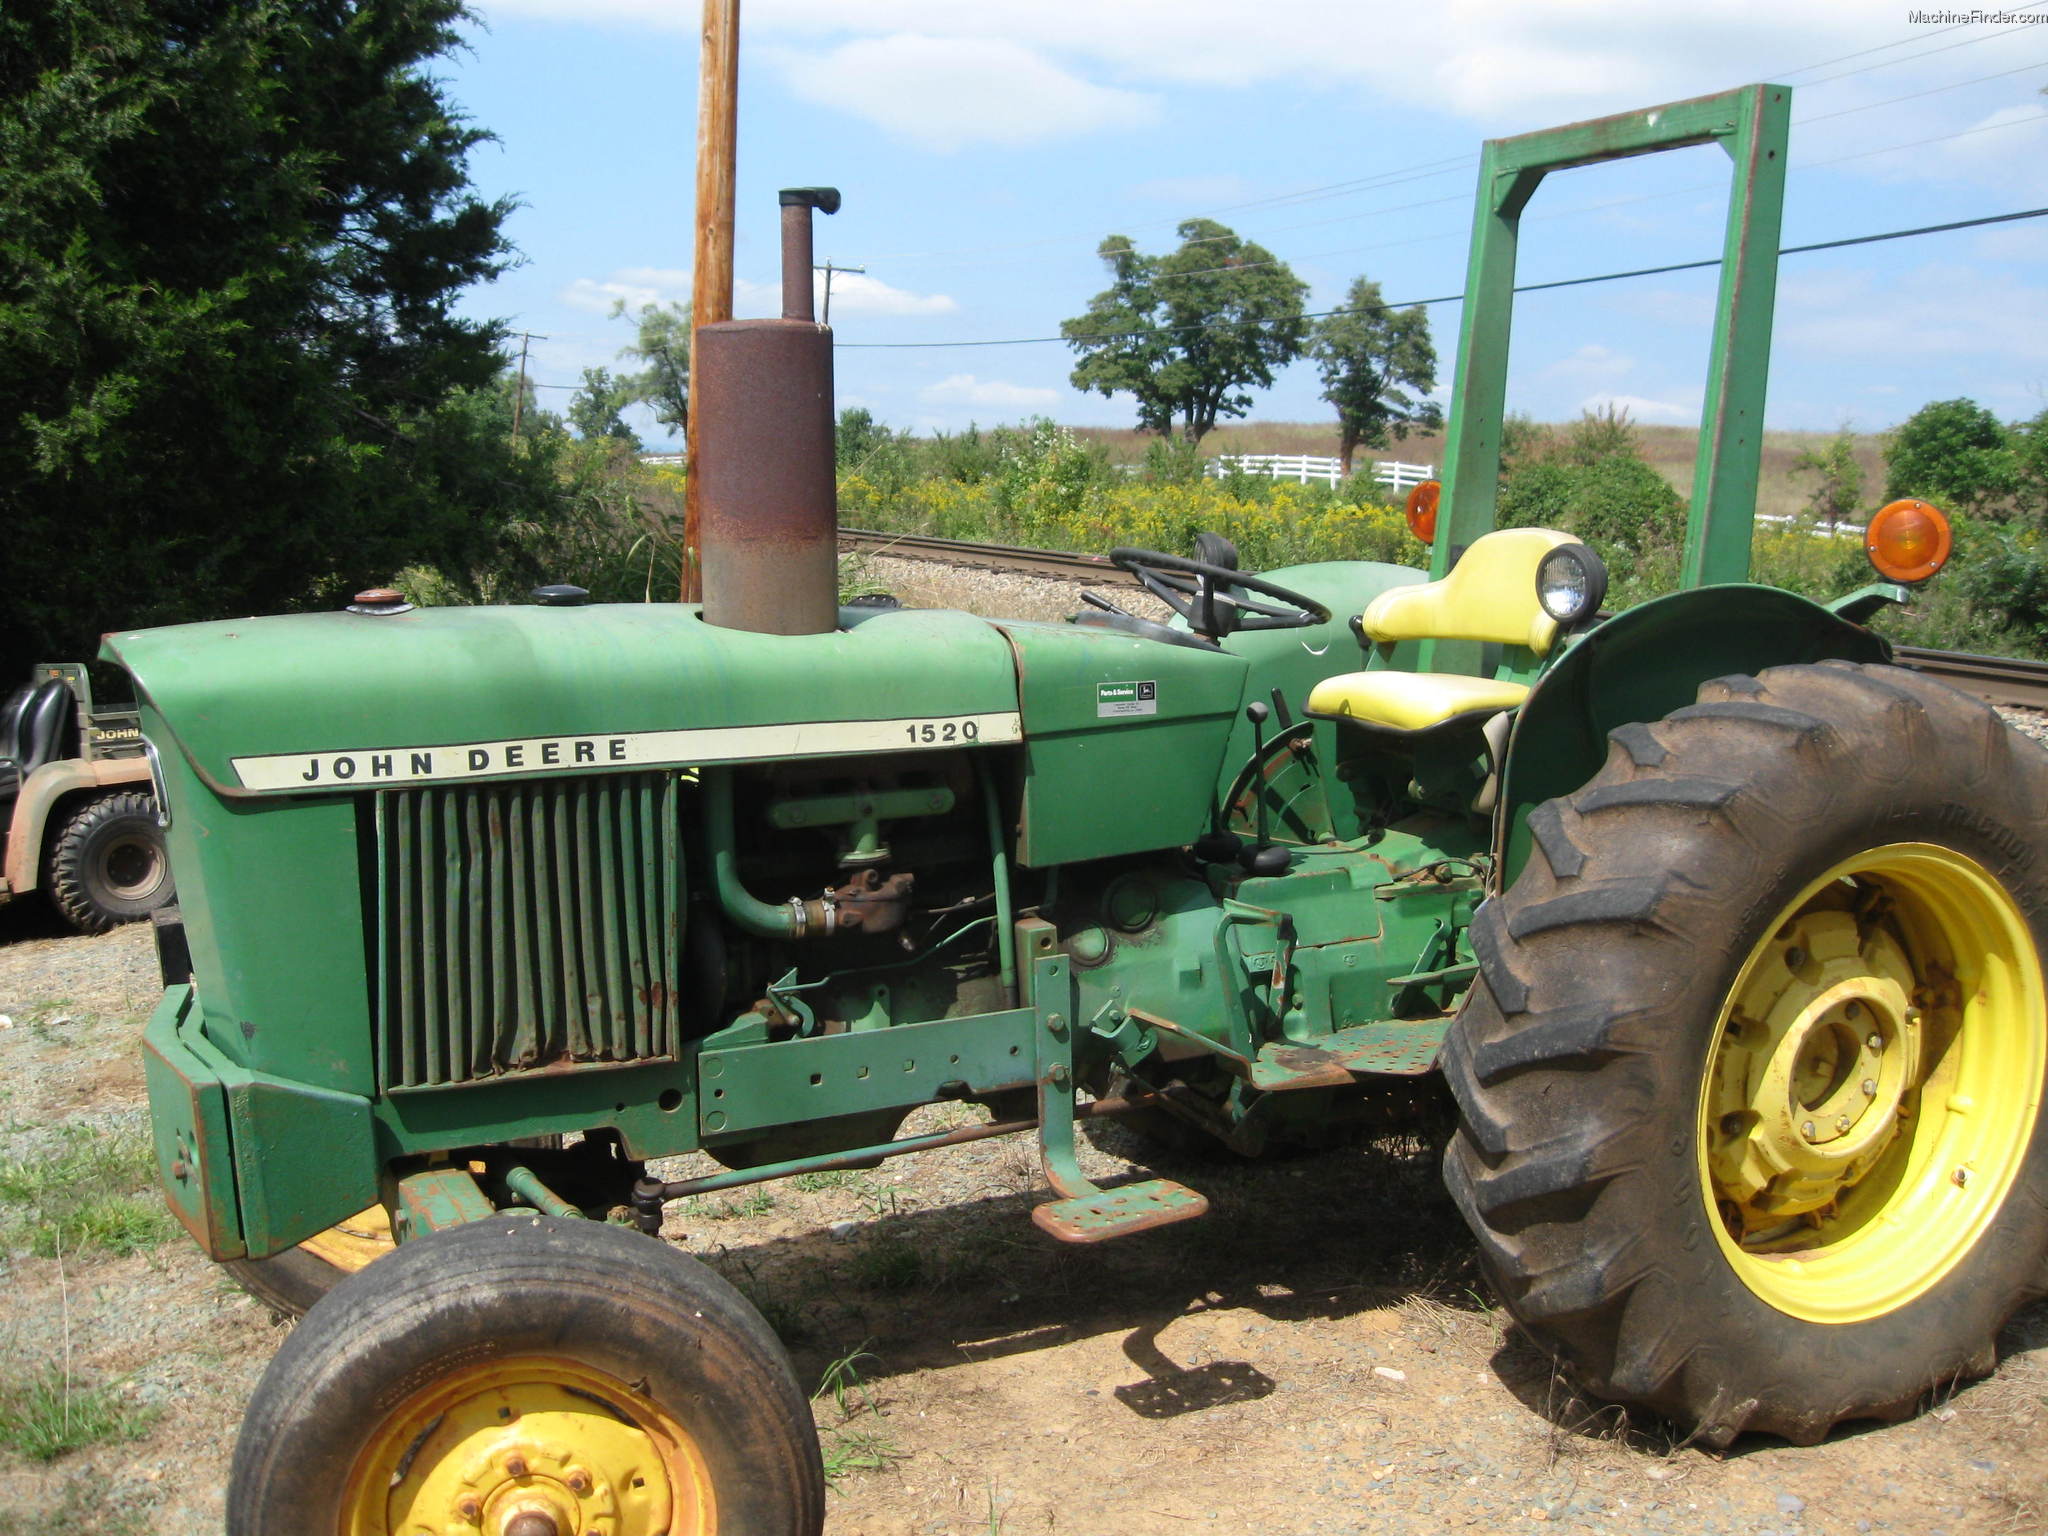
855,293
966,389
852,293
1493,60
1642,409
945,93
638,286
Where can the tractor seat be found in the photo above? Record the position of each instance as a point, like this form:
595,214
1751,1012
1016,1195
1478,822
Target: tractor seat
1489,595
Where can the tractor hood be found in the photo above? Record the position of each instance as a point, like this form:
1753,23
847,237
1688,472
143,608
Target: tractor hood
314,703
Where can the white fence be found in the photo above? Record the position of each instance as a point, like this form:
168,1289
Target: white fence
1839,531
1304,467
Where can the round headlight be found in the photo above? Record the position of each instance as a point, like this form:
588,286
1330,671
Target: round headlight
1570,584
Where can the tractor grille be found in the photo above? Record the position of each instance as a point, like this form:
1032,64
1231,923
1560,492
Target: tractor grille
526,925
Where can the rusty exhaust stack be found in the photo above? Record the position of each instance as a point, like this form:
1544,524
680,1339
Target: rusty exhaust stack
768,501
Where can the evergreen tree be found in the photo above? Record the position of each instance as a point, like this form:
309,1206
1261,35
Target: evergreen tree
231,376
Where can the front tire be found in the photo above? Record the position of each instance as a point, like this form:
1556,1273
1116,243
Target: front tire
524,1374
108,866
1750,1088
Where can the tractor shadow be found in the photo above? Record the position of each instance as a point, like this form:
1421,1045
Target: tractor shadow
1324,1236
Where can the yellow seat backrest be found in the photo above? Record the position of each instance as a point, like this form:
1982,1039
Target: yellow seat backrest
1489,595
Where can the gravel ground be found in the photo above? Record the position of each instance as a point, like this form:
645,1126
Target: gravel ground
1315,1356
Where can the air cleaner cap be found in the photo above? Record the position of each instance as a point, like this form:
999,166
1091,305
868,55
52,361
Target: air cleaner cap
560,595
380,600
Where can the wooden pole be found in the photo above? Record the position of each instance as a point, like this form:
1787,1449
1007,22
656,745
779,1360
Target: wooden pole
711,269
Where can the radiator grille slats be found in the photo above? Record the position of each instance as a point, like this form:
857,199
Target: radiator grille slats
526,925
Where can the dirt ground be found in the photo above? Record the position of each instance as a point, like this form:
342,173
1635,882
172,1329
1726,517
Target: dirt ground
1317,1355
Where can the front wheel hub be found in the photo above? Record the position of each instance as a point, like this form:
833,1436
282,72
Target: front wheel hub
531,1448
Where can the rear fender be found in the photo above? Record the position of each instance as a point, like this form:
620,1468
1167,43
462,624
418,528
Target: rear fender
1642,665
40,795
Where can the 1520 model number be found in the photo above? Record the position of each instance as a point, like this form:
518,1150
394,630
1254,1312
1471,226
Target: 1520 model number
935,732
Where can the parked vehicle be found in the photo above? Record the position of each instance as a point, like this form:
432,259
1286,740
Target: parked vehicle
78,818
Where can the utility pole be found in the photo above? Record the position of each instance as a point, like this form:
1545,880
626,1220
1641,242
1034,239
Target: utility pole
718,91
828,269
519,395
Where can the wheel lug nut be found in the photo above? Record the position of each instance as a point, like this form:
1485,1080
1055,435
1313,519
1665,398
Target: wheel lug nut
578,1481
1852,1010
1795,957
1870,1087
515,1466
1731,1125
1807,1130
1875,1042
468,1507
1841,1122
1960,1178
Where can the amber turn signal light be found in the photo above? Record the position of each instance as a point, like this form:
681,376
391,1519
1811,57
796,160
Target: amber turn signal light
1906,541
1422,510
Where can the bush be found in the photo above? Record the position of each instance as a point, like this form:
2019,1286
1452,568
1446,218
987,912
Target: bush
1955,454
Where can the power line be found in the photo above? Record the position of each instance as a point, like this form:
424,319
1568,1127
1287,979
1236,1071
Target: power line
1453,298
1432,168
1920,37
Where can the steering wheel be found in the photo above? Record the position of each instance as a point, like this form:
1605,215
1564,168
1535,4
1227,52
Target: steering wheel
1210,597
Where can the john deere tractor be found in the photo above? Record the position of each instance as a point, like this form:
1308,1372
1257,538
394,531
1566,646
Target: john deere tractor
1725,932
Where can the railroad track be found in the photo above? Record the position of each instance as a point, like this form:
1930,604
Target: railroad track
1996,679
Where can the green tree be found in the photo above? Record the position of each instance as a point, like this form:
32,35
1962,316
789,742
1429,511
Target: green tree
1189,333
1371,357
2030,468
1592,480
661,340
231,375
1955,454
594,409
1838,486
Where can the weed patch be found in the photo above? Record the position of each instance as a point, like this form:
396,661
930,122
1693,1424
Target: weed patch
47,1415
85,1194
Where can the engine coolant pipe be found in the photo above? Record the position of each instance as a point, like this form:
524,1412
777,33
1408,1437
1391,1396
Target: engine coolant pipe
793,919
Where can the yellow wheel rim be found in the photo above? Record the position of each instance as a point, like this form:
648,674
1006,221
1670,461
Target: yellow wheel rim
351,1244
528,1446
1874,1084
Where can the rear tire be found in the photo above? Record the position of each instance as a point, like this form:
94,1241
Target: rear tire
1750,1087
108,866
514,1372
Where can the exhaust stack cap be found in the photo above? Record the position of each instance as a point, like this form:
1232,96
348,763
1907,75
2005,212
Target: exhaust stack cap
824,199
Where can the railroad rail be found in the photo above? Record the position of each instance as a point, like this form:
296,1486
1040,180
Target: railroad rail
2000,680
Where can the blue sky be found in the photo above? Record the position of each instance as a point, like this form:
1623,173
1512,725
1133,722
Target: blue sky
985,148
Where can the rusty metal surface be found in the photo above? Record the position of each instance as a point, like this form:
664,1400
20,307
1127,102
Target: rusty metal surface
1394,1047
1283,1066
1119,1212
767,499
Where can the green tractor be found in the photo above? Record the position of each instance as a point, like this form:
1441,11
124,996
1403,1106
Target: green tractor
1725,933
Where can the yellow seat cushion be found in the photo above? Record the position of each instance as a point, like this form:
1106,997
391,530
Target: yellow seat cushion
1411,701
1489,595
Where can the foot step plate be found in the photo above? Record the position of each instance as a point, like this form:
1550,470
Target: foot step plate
1116,1212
